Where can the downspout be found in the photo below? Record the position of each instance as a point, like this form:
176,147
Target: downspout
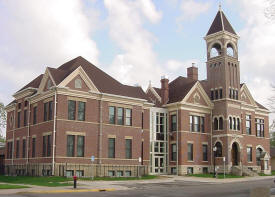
54,131
211,129
100,131
27,144
177,142
13,137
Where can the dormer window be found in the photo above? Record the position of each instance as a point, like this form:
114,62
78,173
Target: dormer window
78,83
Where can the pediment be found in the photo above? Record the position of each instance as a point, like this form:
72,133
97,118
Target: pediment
47,82
79,80
197,96
246,96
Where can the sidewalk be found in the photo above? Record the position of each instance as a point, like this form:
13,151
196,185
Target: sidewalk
98,186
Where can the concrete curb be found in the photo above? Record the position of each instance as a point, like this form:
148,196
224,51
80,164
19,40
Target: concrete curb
67,191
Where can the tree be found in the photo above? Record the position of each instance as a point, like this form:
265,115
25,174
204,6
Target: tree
3,120
271,100
270,10
272,134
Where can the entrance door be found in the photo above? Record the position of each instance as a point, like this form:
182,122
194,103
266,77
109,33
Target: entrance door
234,154
159,165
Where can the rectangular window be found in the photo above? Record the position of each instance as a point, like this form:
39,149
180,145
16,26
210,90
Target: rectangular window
216,94
174,152
120,116
191,123
48,145
112,115
45,111
212,94
128,148
249,154
128,117
24,148
248,124
196,123
33,146
142,121
19,105
204,152
50,110
259,124
34,115
111,147
237,95
81,111
18,120
230,93
70,145
17,148
71,110
221,94
25,118
202,125
80,146
173,122
190,152
189,170
44,146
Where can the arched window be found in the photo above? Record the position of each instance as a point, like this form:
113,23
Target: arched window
230,50
234,123
216,124
215,50
220,123
78,83
238,124
218,145
230,123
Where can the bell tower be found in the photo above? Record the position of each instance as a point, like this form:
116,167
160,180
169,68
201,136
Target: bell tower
223,71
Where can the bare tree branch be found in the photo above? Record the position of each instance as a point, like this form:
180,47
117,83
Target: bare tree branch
270,10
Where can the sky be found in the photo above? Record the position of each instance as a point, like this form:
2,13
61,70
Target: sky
135,41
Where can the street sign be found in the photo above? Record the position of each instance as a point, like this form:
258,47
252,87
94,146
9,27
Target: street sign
92,158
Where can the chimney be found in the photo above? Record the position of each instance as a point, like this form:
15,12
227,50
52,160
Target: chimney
192,72
164,91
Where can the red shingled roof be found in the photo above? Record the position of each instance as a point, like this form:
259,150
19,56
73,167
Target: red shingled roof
104,82
220,23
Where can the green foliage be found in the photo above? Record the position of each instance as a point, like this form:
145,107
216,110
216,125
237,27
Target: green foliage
272,139
220,176
120,178
8,186
40,181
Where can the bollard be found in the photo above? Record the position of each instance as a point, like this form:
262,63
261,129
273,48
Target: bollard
75,180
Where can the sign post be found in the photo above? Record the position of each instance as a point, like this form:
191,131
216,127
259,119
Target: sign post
92,160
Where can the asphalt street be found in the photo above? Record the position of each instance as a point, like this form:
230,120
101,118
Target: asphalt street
173,189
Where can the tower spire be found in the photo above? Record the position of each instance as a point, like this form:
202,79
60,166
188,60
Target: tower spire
220,6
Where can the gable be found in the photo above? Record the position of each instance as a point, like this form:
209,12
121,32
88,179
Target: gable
197,96
79,74
47,81
246,96
78,83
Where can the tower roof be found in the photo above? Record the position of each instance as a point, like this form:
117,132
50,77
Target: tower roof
220,23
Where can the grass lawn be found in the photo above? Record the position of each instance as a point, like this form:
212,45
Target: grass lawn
120,178
272,174
40,181
220,176
8,186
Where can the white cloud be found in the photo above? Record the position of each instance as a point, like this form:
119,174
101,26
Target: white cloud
191,9
138,62
43,33
257,46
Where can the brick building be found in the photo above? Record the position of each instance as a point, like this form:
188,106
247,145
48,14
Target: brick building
70,113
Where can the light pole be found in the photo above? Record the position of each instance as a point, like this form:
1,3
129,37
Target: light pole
214,151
